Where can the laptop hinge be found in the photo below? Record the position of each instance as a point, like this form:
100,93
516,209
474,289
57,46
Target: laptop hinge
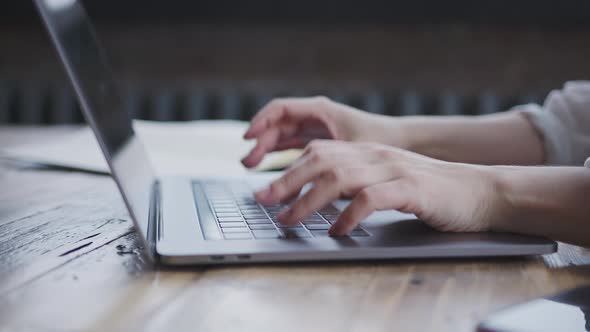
154,230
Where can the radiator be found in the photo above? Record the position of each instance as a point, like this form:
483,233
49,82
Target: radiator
54,103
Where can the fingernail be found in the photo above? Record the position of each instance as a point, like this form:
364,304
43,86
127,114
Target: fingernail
246,163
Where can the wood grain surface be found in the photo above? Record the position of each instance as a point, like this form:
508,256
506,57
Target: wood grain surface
71,262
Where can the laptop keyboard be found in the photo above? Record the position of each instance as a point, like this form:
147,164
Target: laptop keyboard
240,217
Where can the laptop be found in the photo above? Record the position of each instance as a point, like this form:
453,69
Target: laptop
216,220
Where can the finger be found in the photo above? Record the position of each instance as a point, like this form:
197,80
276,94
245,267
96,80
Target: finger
326,155
285,141
334,183
319,157
319,147
272,112
286,108
290,198
359,149
264,144
318,196
295,178
268,142
351,153
388,195
292,143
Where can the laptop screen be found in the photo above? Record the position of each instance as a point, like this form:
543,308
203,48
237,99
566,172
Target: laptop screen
83,59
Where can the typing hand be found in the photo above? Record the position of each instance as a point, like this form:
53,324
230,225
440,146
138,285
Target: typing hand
448,196
289,123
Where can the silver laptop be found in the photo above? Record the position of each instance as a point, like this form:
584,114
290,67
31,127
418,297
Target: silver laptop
216,220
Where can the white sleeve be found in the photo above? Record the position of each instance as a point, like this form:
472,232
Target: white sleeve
564,123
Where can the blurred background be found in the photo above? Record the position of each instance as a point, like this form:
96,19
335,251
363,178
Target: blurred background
185,60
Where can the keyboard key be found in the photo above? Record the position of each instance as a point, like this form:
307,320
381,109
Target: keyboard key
258,221
221,201
313,222
318,226
255,216
224,206
246,199
252,212
226,210
235,230
262,226
331,212
237,236
251,209
279,225
225,215
232,224
230,219
265,234
247,204
274,206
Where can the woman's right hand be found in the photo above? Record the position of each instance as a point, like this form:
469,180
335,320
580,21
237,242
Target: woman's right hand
290,123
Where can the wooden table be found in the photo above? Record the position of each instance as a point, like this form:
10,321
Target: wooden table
70,262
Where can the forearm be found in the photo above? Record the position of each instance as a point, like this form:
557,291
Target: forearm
497,139
547,201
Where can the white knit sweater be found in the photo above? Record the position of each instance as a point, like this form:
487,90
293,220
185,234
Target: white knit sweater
564,123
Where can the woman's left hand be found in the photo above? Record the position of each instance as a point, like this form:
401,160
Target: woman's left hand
447,196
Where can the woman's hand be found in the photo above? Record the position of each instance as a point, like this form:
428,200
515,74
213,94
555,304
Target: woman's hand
293,122
448,196
288,123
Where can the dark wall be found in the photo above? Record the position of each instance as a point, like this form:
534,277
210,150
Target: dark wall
563,12
398,57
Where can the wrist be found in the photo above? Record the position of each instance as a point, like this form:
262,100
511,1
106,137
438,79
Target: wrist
532,196
383,129
503,189
545,201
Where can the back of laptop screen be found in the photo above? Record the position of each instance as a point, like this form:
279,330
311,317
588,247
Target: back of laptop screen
78,48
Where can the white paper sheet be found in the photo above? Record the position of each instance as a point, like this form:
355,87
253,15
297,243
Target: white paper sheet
195,148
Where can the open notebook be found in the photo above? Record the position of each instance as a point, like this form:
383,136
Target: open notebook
196,148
